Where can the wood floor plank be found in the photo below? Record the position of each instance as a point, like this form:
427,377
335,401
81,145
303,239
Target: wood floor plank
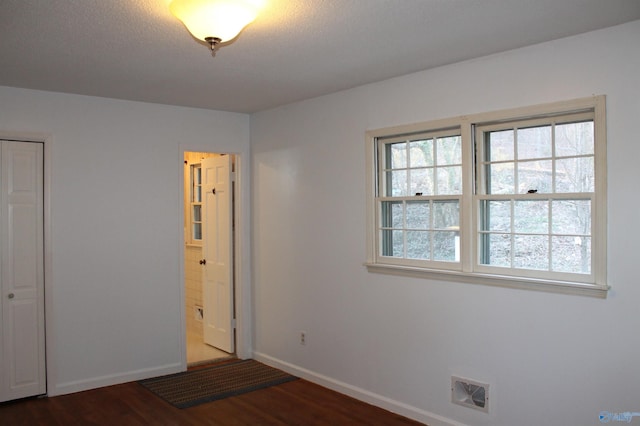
294,403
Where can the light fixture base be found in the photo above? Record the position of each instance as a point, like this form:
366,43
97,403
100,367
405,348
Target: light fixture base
213,43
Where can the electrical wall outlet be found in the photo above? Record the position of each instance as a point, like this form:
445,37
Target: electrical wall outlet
303,337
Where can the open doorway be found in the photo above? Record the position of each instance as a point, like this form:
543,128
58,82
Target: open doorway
209,212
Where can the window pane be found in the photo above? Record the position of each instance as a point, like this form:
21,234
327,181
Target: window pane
449,180
575,175
500,178
497,250
197,216
446,246
418,245
496,216
197,231
534,142
196,176
449,150
396,183
396,155
421,181
572,254
574,139
499,146
531,252
571,217
446,215
418,215
391,214
534,176
392,243
421,153
531,217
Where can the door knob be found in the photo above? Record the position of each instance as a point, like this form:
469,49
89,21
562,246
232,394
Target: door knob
203,262
11,296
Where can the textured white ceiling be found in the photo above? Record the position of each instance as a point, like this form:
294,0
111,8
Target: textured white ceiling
296,49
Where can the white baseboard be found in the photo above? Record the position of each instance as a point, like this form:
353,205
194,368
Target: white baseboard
358,393
112,379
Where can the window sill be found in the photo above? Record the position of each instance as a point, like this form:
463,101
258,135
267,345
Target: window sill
561,287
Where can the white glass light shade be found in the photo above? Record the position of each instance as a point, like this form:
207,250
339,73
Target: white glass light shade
223,19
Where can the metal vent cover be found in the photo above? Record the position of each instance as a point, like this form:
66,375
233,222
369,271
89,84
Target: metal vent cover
470,393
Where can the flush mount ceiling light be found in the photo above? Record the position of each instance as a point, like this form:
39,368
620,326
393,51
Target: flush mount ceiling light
215,21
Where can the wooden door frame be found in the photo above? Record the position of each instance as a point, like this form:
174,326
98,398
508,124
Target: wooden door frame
241,285
46,140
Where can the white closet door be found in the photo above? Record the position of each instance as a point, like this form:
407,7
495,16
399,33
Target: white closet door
22,345
217,251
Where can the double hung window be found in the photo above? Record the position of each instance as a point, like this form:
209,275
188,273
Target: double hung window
420,200
512,198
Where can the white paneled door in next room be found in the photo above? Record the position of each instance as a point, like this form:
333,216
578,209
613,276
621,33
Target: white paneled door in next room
22,342
217,252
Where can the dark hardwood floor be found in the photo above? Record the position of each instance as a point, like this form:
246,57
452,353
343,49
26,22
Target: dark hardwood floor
294,403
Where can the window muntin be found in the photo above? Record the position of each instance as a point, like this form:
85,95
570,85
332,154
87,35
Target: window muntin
530,197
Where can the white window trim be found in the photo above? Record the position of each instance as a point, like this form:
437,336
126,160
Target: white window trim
466,272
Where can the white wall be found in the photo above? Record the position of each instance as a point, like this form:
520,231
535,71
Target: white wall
550,359
116,223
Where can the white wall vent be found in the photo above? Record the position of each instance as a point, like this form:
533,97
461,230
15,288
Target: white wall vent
470,393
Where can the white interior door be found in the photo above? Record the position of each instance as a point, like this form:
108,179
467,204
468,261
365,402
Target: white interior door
217,251
22,345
